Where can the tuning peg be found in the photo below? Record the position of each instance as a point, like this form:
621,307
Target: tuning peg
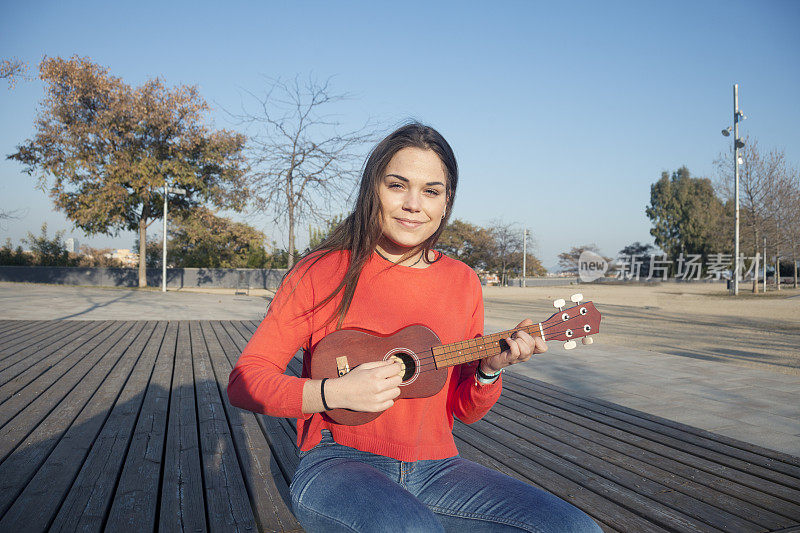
560,303
587,340
576,298
569,345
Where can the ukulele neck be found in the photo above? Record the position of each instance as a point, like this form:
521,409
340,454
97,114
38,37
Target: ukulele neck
465,351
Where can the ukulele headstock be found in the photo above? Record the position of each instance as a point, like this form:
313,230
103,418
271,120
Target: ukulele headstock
580,321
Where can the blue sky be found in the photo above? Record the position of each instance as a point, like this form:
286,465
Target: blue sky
561,114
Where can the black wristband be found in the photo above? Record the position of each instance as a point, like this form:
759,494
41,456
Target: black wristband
322,393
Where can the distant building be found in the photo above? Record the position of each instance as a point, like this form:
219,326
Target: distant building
71,245
125,256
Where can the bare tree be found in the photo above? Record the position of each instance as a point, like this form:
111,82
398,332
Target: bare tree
11,215
303,167
783,206
568,261
764,199
507,244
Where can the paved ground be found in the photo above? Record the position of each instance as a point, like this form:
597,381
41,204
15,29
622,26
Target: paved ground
751,404
29,301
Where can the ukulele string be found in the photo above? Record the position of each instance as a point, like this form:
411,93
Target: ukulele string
430,360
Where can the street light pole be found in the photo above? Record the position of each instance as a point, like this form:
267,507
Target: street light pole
167,190
736,174
164,251
524,256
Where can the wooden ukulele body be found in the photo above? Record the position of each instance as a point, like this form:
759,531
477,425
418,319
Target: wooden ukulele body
343,350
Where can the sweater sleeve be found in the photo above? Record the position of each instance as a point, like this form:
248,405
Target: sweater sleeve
473,400
257,382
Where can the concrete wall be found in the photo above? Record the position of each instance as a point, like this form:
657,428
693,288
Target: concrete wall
129,277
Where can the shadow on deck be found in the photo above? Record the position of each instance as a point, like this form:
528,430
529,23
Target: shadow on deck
125,426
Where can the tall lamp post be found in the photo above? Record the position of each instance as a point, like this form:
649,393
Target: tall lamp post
524,257
737,144
167,190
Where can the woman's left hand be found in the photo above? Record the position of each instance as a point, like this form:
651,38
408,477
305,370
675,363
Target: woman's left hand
521,346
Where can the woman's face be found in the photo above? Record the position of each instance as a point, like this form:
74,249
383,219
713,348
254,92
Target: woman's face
413,197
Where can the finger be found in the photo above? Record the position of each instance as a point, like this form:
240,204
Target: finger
527,339
376,364
391,368
392,382
541,346
513,349
526,322
389,394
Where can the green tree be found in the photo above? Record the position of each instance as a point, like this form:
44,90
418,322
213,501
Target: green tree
317,235
467,242
111,149
533,266
688,216
46,251
206,240
14,257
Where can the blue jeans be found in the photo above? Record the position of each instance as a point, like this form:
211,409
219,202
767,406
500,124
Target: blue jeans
337,488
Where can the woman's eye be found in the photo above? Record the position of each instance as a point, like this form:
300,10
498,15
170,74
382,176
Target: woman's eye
395,185
433,192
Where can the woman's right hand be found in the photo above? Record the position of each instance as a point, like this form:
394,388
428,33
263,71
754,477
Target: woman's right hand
369,387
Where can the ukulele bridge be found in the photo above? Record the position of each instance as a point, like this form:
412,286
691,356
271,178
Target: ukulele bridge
342,366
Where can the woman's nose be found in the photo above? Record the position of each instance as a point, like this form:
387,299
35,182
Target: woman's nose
411,202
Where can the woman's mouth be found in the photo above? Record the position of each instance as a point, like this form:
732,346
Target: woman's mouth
411,224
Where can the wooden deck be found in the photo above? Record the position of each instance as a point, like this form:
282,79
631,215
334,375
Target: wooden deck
125,426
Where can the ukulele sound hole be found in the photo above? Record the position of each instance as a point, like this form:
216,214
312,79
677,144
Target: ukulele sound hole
409,363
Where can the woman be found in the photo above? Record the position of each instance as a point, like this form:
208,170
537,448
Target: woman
378,272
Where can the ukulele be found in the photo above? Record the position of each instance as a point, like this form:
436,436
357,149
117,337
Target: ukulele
426,359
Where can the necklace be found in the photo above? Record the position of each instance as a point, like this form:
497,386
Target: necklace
411,265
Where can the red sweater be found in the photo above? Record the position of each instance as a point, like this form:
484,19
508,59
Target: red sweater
446,297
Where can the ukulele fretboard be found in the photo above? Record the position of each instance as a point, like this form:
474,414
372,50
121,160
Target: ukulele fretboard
465,351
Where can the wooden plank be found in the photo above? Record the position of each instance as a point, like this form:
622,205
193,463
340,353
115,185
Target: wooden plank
18,329
667,441
135,503
42,398
604,508
676,476
281,432
38,346
632,481
44,423
86,505
266,484
182,505
22,370
29,386
25,329
40,500
12,324
471,453
759,451
227,502
48,330
607,490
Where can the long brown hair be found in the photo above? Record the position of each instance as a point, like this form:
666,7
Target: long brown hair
360,231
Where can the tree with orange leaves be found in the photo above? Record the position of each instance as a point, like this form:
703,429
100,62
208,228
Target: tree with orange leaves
110,149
